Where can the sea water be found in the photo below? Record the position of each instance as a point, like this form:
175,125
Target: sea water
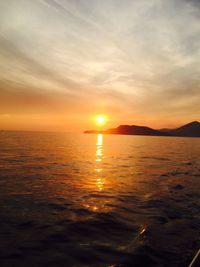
98,200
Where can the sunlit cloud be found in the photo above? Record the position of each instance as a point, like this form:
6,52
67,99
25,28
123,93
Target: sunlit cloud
138,61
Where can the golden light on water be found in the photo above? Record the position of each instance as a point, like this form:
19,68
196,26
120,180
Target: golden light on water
99,147
98,182
99,157
99,141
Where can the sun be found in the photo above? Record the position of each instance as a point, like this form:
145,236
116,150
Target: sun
100,120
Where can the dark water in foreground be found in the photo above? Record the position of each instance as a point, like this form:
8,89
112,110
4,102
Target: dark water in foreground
88,200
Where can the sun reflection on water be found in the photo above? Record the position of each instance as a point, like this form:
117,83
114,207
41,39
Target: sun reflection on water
98,202
99,157
99,148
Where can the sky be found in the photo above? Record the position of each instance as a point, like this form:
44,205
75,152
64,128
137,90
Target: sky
64,61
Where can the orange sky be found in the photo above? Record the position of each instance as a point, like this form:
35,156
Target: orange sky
63,62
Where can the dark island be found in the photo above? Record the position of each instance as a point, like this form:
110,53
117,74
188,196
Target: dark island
191,129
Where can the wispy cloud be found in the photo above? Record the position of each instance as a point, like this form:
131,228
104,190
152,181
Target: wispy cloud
139,57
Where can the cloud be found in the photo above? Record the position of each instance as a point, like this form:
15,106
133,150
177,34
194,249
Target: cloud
33,67
128,56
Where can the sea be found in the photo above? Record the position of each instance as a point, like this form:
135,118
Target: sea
93,200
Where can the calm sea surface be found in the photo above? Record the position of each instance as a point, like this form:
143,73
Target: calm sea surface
95,200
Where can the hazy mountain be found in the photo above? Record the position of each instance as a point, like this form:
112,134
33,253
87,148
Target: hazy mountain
134,130
166,130
94,132
191,129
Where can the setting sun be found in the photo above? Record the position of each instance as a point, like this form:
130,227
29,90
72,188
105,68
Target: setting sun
100,120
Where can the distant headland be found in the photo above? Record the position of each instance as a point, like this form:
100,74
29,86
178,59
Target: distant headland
191,129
